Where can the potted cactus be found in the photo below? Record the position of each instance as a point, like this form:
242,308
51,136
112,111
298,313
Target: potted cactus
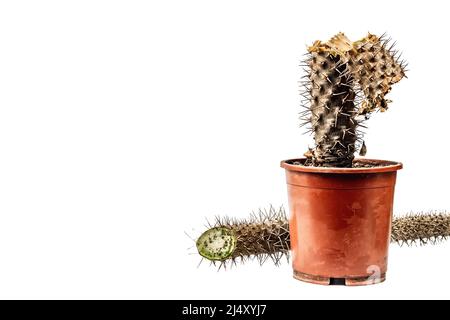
340,206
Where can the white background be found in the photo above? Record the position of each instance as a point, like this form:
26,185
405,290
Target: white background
124,124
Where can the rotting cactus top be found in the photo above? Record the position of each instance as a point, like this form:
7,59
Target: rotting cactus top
344,83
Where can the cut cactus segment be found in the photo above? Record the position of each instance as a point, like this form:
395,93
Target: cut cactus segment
217,244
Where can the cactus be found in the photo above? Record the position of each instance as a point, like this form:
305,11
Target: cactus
266,235
263,236
217,243
375,67
331,98
337,73
421,228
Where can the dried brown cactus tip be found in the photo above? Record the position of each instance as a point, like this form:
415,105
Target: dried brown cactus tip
338,45
376,67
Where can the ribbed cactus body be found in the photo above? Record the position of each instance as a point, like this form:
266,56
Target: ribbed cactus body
331,103
421,228
332,107
345,82
375,68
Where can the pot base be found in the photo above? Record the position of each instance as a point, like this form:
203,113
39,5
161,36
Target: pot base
349,281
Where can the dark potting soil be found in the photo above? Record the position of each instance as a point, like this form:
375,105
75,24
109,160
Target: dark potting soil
356,163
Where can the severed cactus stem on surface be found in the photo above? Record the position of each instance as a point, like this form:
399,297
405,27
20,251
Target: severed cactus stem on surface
344,83
263,236
421,228
266,235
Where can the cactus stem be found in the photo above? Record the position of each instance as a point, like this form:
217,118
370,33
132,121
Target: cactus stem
266,236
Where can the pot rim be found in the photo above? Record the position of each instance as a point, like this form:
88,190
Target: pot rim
389,166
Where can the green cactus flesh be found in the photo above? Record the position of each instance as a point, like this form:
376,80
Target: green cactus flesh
217,243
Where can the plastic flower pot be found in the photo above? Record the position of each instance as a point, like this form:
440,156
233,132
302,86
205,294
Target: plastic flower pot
340,221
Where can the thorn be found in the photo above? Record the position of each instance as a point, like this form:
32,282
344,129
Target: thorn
392,46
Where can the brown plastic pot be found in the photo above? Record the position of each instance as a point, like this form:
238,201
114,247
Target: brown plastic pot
340,221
